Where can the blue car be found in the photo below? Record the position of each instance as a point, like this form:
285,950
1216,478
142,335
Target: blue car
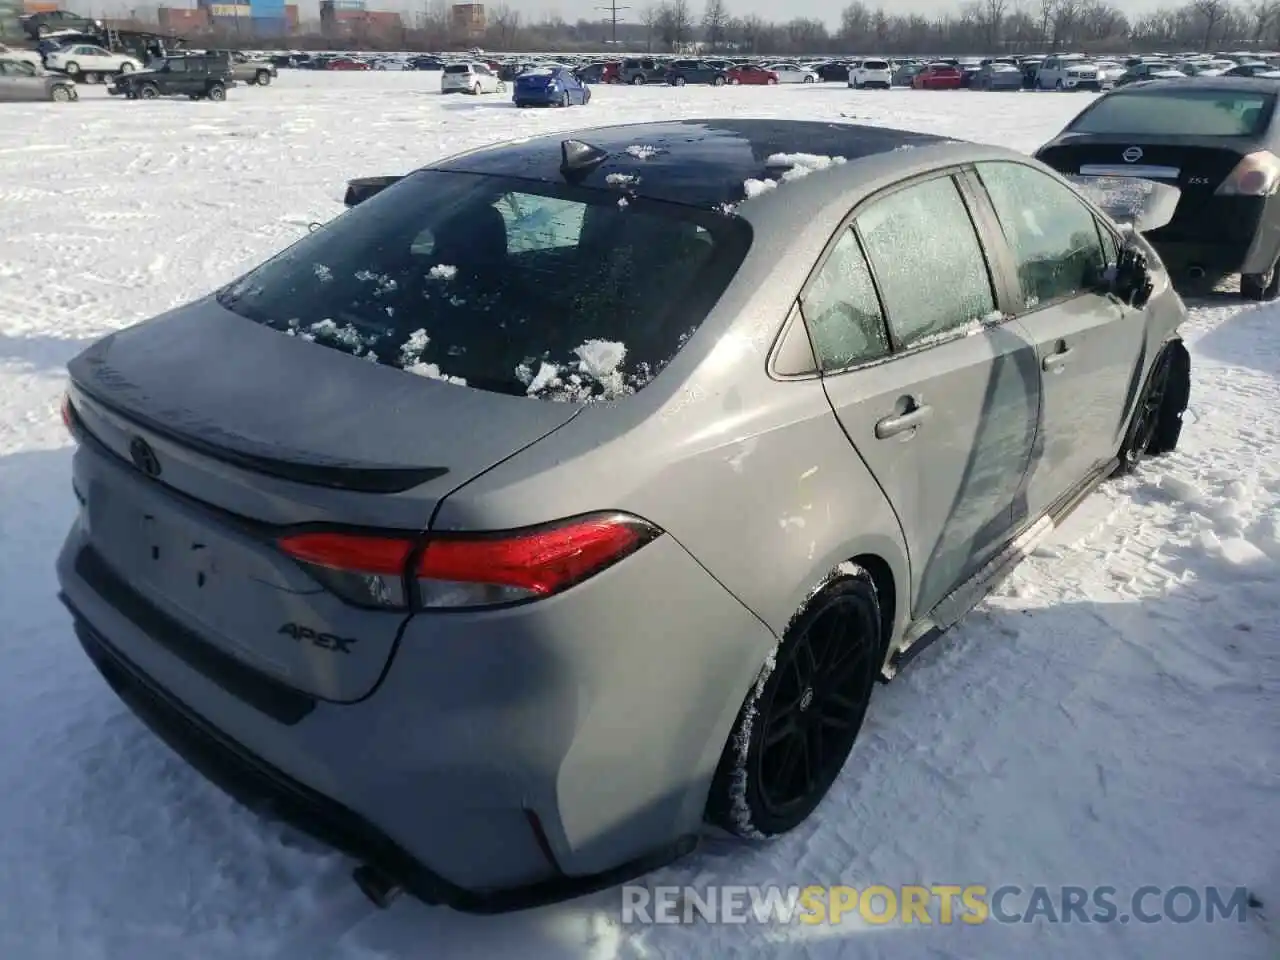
549,87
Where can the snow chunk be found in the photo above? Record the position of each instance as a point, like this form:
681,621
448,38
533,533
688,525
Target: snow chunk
548,376
601,358
642,151
442,271
622,179
754,188
346,335
433,371
413,348
802,164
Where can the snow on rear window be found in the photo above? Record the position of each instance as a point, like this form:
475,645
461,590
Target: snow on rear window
458,68
642,151
538,294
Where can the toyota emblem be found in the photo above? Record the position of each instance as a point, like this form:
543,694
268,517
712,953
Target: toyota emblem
1132,155
143,457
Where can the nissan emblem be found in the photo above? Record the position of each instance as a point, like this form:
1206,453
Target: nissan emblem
1132,155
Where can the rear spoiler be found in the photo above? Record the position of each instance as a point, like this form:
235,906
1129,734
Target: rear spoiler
1143,204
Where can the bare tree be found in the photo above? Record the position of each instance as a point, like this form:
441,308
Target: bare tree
714,20
1046,17
991,16
1211,13
675,23
855,23
649,17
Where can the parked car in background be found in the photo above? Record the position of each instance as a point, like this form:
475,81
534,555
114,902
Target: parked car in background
751,74
1068,73
1206,68
343,63
1030,69
1149,70
904,75
835,71
682,72
90,63
638,71
197,77
259,72
870,73
997,76
549,87
471,77
1109,71
1250,68
29,56
38,25
23,80
788,72
938,76
1217,140
600,72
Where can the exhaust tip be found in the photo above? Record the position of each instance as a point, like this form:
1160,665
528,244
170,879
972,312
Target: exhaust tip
381,889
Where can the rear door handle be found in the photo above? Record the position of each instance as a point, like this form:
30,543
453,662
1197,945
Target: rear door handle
1056,361
901,423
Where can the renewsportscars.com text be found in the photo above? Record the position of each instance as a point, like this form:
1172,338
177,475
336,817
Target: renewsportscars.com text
943,904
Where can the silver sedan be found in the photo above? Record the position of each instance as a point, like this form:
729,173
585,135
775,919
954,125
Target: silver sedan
22,80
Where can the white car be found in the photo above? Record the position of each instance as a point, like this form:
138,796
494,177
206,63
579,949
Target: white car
792,73
1109,71
470,77
29,56
871,73
1071,72
90,63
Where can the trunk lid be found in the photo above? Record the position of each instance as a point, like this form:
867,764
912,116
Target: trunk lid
211,434
1196,168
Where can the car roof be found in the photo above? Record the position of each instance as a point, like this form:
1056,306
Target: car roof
702,162
1229,84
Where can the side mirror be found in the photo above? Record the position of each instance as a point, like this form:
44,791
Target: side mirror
1130,278
1144,204
358,191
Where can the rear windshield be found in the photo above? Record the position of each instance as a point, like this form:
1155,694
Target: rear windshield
458,68
1195,113
515,286
874,65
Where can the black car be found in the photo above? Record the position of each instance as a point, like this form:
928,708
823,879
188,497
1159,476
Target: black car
833,71
200,78
1216,139
38,25
681,72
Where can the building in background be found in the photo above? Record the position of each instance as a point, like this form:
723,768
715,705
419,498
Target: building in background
183,20
40,6
252,19
467,19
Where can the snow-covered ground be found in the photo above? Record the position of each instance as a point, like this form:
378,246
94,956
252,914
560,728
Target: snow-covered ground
1112,717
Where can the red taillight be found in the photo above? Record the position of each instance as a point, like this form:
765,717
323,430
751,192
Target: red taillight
526,564
350,553
469,570
68,415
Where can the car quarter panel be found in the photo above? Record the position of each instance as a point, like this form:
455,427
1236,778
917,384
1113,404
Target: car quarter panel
753,475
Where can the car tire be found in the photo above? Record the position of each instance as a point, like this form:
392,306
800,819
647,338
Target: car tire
718,82
808,80
126,68
734,81
1059,86
475,91
71,69
148,91
91,77
60,94
840,627
564,99
637,81
217,93
1261,287
1156,422
262,78
771,82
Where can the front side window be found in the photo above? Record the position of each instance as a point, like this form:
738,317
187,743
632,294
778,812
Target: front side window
930,266
539,289
841,310
1053,235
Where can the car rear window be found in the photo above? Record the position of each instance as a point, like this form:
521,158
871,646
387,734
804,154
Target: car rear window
516,286
1204,112
875,65
458,68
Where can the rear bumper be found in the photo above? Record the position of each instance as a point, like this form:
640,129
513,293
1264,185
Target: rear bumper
505,760
541,98
1221,235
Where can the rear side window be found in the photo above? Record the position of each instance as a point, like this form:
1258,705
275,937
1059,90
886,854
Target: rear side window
930,266
842,311
1053,235
533,289
1183,111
